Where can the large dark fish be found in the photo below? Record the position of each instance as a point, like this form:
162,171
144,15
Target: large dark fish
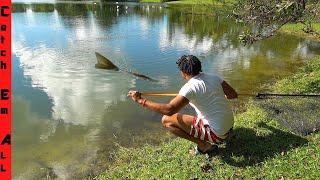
105,63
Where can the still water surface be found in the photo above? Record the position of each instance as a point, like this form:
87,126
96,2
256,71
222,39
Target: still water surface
68,117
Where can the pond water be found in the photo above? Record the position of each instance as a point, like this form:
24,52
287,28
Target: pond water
69,118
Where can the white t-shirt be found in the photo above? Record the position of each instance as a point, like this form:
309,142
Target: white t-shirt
206,96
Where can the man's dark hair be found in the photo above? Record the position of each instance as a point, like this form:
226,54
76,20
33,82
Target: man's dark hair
189,64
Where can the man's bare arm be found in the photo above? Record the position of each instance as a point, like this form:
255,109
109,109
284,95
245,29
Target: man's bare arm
229,91
169,109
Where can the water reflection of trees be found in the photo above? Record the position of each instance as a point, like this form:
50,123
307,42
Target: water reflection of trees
217,27
247,61
17,7
106,14
73,9
64,9
151,12
221,30
42,7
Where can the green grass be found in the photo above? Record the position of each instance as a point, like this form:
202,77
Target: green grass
261,148
150,1
297,29
214,2
299,26
305,81
200,2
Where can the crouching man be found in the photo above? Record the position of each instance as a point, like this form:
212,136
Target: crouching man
207,94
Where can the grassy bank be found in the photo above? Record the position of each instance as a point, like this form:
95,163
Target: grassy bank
262,147
297,29
150,1
200,2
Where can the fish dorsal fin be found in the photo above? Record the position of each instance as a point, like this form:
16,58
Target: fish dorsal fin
104,63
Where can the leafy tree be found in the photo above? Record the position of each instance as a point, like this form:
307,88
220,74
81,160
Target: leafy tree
268,16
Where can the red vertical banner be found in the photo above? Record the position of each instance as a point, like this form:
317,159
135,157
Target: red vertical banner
5,89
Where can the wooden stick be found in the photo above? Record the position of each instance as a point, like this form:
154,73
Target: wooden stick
159,94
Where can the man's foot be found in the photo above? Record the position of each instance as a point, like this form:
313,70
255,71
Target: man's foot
204,146
196,150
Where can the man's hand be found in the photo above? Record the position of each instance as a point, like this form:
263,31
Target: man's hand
135,95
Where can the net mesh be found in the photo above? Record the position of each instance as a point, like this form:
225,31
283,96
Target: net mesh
299,115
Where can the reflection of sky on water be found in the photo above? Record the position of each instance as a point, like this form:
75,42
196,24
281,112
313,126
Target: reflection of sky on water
65,70
69,109
75,92
179,40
